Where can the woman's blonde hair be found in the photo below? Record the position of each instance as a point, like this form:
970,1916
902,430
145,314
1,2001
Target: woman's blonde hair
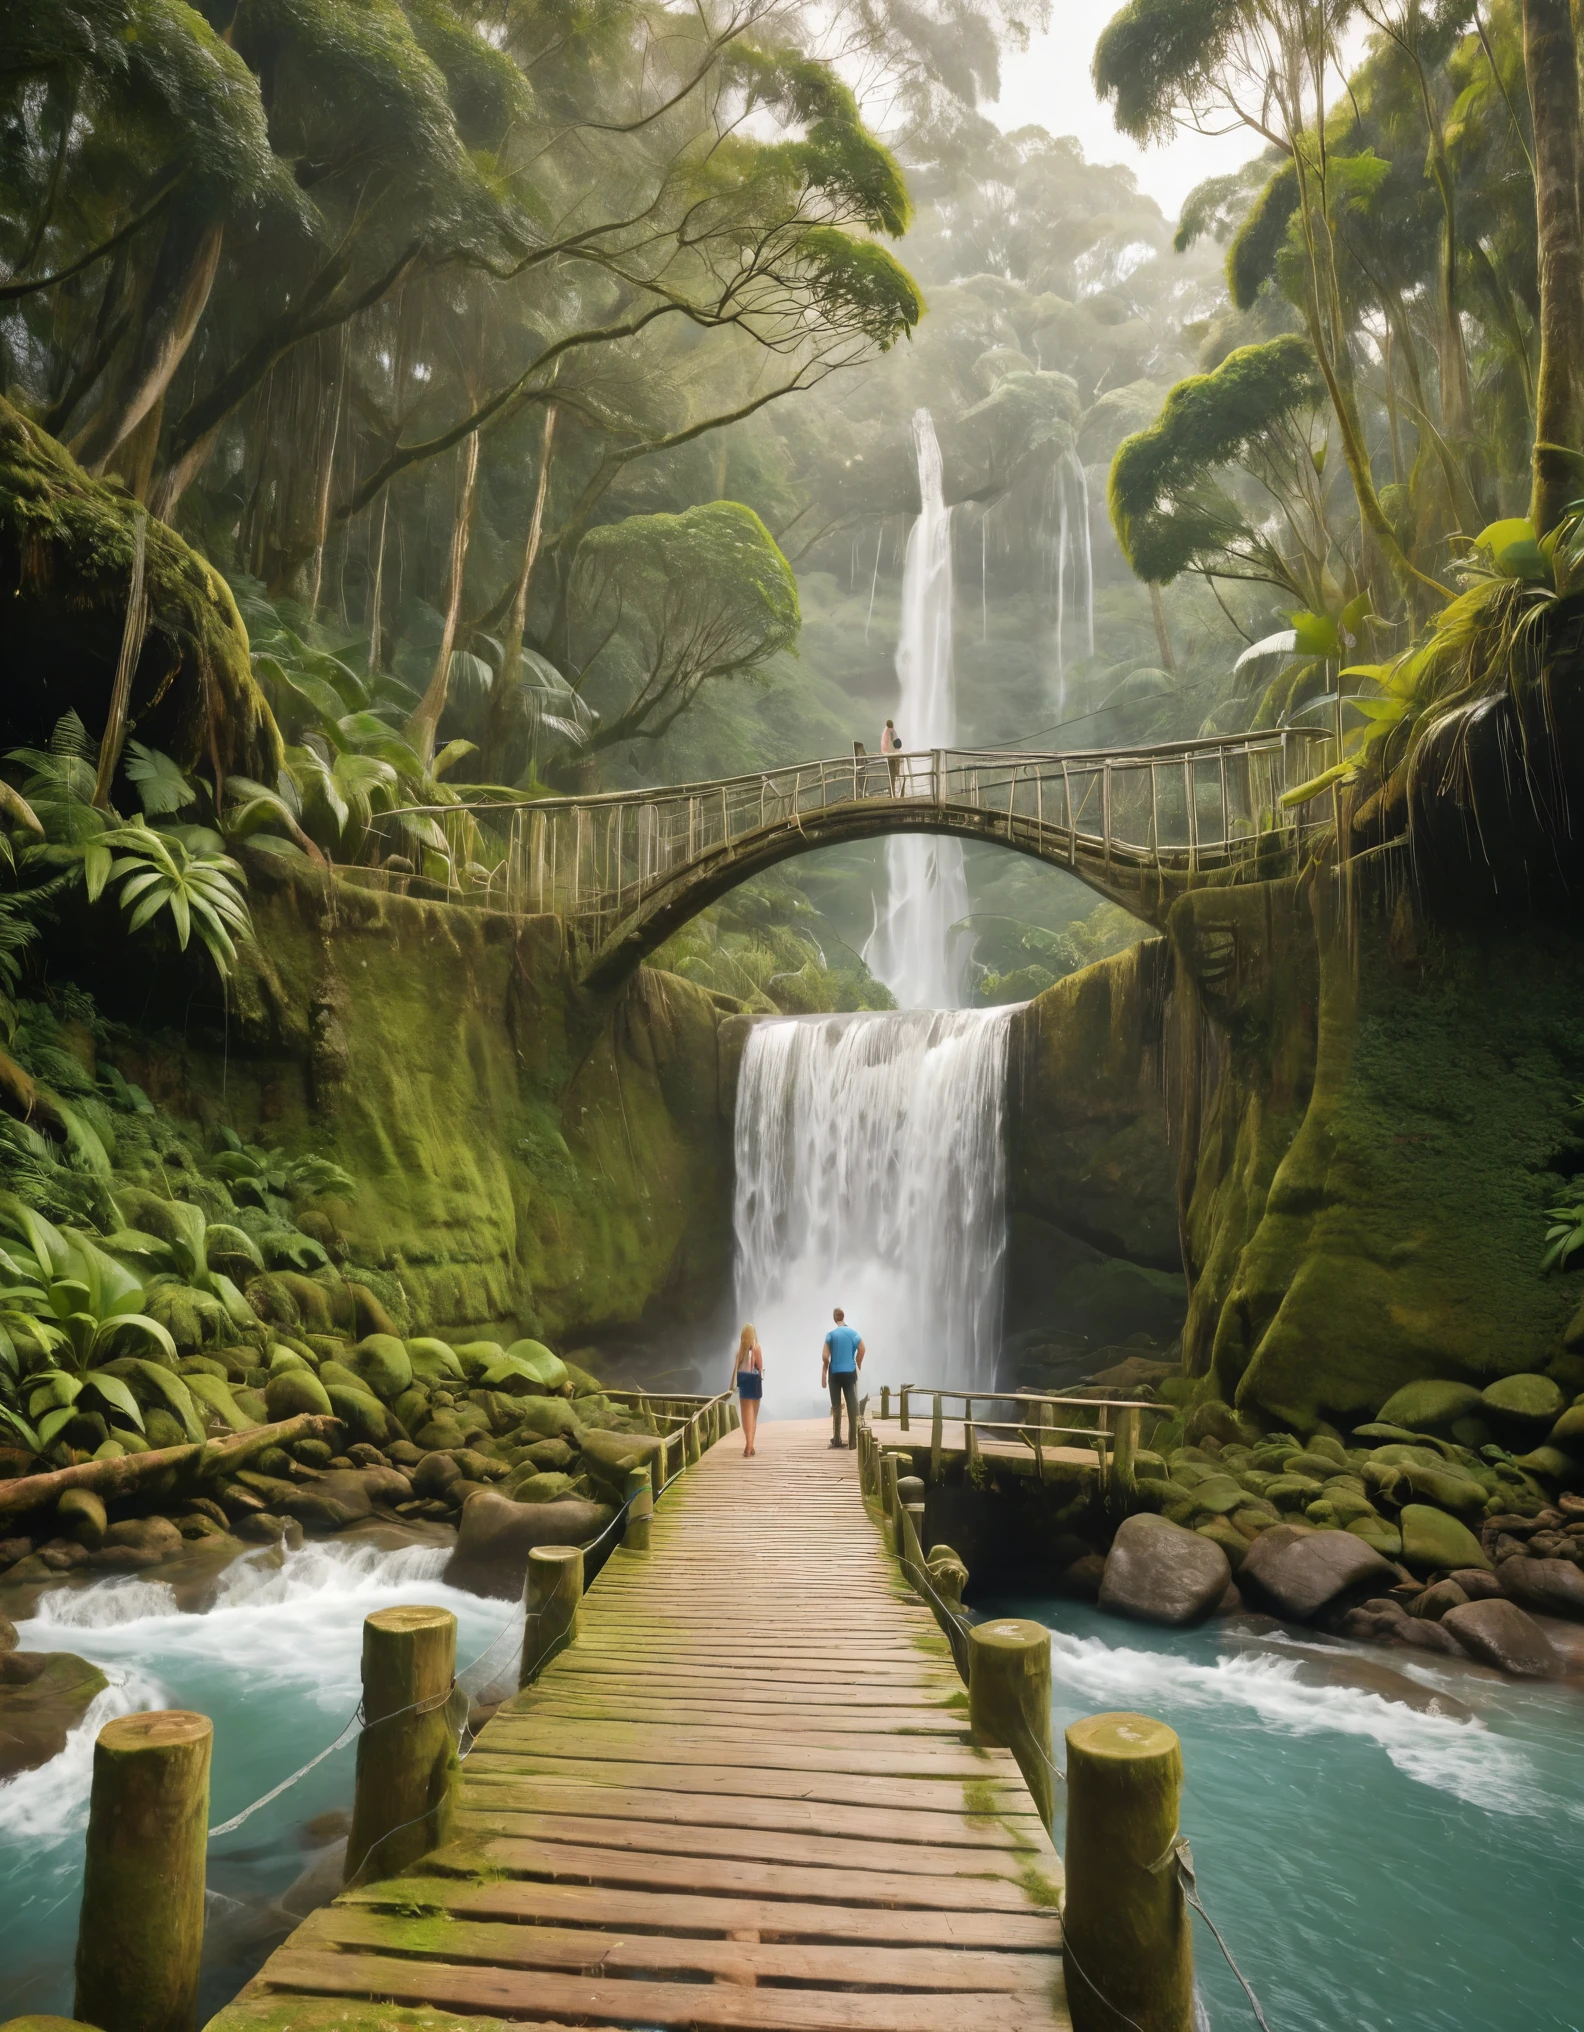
747,1341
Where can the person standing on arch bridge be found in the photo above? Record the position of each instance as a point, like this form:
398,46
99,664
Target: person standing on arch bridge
840,1360
891,748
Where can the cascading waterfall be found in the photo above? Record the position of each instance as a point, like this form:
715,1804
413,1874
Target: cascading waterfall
1074,544
871,1174
913,947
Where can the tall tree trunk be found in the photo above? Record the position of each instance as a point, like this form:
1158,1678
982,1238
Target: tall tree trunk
377,591
1162,638
327,475
425,722
172,306
517,620
1551,69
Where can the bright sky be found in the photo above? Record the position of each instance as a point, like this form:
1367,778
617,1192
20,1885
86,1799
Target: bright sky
1049,87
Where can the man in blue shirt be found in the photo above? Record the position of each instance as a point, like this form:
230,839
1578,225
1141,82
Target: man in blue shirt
840,1360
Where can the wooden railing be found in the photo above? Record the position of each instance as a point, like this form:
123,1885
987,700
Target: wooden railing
1115,1445
1189,806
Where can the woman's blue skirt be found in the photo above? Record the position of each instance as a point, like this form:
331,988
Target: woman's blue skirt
750,1384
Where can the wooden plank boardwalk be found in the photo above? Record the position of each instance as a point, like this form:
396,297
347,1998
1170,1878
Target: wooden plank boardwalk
745,1800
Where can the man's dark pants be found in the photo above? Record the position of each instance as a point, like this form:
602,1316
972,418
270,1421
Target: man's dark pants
840,1387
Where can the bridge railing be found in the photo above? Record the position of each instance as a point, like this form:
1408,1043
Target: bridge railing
1190,805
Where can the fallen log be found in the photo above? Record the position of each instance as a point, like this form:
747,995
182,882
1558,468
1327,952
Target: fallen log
204,1462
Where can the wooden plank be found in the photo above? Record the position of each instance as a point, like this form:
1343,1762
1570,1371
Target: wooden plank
756,1781
637,1955
906,1822
575,1848
705,1744
533,1997
522,1900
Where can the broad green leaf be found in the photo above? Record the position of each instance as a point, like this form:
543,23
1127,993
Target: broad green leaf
1316,635
174,1390
97,865
137,1324
116,1394
211,1391
226,1240
21,1428
55,1421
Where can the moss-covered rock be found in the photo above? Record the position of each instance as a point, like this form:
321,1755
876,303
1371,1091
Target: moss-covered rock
39,1709
433,1361
1430,1406
1527,1403
1433,1541
365,1418
292,1391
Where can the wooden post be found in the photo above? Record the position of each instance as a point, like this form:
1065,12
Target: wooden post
640,1509
885,1400
406,1755
690,1444
1125,1453
1009,1700
1127,1931
733,1415
903,1407
935,1440
912,1546
970,1436
552,1605
909,1491
140,1937
888,1484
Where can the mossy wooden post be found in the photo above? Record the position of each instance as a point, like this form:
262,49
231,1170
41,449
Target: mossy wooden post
406,1755
912,1547
888,1482
140,1937
1009,1699
970,1439
733,1416
552,1601
865,1461
909,1490
936,1422
885,1400
640,1509
1124,1455
902,1407
1126,1926
690,1448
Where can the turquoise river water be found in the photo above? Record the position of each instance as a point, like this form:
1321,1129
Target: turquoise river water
1388,1843
274,1662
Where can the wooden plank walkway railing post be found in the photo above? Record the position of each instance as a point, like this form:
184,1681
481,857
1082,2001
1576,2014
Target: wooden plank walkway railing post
140,1934
406,1755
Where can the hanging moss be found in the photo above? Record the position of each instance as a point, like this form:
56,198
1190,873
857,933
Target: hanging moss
66,550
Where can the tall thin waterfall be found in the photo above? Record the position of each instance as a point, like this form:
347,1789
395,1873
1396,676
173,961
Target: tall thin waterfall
912,948
1075,541
871,1174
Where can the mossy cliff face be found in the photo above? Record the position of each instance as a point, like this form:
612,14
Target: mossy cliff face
1367,1115
1094,1261
525,1155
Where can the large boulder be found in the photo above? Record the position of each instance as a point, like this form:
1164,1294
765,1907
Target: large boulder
1554,1587
1157,1572
1431,1406
1301,1573
138,1542
1433,1542
40,1707
290,1391
496,1536
1499,1633
384,1366
332,1501
1524,1404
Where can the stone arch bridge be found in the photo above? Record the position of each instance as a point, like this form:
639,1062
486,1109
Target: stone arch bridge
625,869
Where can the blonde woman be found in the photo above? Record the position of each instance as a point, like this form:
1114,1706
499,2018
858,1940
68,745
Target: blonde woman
748,1368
